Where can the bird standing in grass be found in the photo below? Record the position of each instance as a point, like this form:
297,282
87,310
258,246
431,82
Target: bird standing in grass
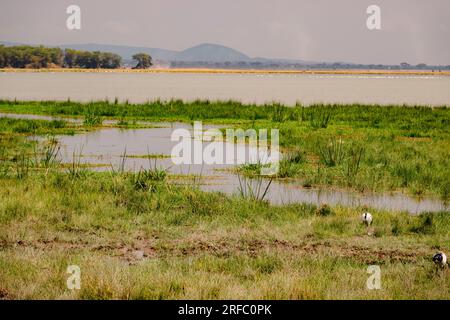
440,259
367,218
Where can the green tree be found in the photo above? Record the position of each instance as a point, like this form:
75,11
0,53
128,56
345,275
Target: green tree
144,60
110,60
2,56
70,58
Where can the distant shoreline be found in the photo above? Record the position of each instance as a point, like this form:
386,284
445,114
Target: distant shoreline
239,71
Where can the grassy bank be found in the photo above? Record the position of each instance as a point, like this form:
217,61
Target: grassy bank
160,240
360,147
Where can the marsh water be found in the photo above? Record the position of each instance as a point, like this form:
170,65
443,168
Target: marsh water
115,148
109,146
257,88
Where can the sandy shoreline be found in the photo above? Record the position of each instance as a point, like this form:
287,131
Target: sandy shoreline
241,71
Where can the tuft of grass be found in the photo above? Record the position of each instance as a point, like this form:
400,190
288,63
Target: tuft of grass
254,189
319,118
424,224
92,120
331,152
143,179
47,157
353,163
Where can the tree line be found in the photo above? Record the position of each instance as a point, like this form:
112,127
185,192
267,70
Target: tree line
91,60
44,57
30,57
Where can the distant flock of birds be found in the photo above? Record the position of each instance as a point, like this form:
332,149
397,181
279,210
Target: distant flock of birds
439,258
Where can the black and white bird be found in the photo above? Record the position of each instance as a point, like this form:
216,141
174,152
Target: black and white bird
367,218
440,259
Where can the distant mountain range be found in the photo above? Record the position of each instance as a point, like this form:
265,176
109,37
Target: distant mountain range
206,52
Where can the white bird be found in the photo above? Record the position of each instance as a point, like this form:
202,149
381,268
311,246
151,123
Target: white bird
440,259
367,218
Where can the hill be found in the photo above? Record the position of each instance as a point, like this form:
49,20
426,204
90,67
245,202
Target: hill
211,53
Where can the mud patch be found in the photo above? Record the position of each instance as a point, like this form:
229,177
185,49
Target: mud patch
143,249
5,295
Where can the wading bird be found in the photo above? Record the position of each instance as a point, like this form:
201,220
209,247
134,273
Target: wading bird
367,218
440,259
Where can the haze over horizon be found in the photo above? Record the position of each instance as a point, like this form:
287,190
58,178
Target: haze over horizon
412,31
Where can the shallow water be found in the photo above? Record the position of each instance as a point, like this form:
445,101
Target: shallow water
113,148
258,88
107,147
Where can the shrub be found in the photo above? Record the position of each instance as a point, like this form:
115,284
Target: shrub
424,224
324,210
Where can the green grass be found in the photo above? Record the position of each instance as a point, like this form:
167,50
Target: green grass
38,127
94,120
143,236
203,245
410,118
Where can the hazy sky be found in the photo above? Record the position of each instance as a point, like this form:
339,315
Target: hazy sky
321,30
